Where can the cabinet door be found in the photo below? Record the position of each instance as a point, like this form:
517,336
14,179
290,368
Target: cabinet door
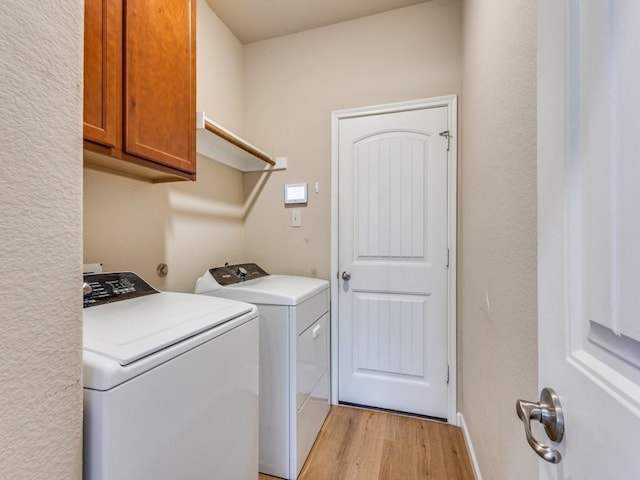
102,71
159,81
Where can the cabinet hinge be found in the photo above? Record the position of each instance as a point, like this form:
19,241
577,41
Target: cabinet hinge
448,256
448,136
447,374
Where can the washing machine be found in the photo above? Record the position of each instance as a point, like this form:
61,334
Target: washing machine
294,358
170,383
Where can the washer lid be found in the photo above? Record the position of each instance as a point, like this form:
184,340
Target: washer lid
128,330
274,289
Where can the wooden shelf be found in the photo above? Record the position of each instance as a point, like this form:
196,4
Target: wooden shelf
219,144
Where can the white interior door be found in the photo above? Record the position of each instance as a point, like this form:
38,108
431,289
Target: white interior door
589,233
393,250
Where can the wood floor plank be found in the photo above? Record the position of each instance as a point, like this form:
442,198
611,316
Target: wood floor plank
360,444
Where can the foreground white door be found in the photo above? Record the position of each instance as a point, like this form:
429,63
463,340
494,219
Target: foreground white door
393,242
589,233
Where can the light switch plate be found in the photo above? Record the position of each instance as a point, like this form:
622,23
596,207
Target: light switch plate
296,217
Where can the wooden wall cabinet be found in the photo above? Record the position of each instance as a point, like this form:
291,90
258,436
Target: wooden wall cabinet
139,90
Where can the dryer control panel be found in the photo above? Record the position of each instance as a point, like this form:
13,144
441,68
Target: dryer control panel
101,288
231,274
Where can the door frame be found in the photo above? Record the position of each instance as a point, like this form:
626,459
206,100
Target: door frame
451,103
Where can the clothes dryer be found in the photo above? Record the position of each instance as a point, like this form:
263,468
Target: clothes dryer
294,358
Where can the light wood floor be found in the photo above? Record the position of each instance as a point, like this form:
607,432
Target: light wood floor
358,444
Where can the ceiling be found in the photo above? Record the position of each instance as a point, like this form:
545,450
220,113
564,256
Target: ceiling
255,20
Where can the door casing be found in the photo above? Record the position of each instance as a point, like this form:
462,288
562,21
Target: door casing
451,103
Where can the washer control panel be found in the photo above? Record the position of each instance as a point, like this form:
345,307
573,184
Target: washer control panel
101,288
231,274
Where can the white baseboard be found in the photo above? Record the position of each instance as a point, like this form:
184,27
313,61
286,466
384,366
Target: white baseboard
472,454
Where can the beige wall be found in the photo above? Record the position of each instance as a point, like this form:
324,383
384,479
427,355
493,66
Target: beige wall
40,239
497,238
220,89
190,226
292,85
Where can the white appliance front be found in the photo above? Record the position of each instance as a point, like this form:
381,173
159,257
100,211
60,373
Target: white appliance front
187,410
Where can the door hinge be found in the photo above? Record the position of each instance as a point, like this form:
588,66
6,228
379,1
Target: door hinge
447,374
447,134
